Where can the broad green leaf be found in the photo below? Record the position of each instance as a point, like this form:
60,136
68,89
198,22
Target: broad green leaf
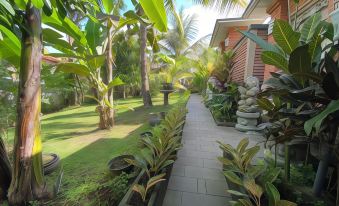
236,193
231,176
155,11
7,53
38,3
12,37
315,47
300,61
67,26
317,121
153,40
108,5
260,42
74,68
115,82
285,37
275,59
272,193
7,6
96,62
242,145
92,97
253,188
265,104
93,35
309,27
21,3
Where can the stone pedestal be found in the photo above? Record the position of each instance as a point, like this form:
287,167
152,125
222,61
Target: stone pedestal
166,93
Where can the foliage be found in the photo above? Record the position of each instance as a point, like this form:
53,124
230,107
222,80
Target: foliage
113,189
303,175
223,65
224,106
256,180
144,190
305,84
160,148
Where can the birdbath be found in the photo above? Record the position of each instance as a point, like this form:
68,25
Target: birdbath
166,93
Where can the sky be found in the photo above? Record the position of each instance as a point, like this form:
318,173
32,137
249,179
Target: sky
206,17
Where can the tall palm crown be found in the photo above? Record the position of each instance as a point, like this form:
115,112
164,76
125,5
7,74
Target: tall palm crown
223,5
181,35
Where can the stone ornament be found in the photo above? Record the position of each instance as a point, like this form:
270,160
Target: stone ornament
248,111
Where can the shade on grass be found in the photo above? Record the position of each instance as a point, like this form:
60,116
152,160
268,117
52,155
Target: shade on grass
84,150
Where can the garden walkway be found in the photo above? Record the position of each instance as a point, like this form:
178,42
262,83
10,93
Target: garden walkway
197,178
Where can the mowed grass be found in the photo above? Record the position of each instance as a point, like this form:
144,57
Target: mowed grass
84,150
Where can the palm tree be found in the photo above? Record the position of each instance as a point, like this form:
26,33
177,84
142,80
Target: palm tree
180,39
145,89
222,5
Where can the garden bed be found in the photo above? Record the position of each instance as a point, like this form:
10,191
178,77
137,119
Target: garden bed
220,123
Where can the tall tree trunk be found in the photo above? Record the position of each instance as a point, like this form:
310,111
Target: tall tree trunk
5,171
145,91
27,176
109,72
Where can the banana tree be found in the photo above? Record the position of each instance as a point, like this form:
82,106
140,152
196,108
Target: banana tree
21,31
89,53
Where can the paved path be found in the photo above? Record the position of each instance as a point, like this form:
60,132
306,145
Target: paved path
197,178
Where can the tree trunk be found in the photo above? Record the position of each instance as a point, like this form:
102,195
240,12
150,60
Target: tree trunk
27,177
145,91
5,171
109,73
104,115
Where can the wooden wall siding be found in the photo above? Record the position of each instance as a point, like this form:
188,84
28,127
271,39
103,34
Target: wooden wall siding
259,66
278,9
234,36
237,73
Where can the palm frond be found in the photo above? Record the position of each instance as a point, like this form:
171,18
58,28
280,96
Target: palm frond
223,5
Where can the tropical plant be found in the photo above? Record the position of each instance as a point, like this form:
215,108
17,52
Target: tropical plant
160,148
144,190
176,71
255,180
223,5
223,65
156,13
309,85
180,40
27,180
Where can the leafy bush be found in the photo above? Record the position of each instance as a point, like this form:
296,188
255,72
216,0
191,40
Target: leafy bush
302,175
113,190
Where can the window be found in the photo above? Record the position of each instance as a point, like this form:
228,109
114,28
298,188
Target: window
336,4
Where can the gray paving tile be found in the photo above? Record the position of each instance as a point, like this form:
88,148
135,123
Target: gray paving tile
172,198
193,199
178,170
213,164
190,161
185,184
203,173
197,178
216,187
202,186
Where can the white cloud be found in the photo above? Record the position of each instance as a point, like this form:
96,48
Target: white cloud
207,17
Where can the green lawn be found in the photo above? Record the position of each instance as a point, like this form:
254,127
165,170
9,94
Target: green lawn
72,133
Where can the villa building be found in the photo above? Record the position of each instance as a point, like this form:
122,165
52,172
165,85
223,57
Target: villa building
258,18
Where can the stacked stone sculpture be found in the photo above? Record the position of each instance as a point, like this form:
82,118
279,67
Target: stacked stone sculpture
248,111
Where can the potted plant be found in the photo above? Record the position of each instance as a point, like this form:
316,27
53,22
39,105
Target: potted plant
117,165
